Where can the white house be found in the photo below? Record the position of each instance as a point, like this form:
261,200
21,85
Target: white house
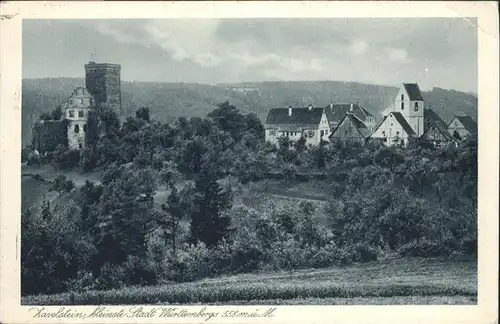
294,123
394,130
461,127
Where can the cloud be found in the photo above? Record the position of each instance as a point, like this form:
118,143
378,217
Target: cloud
397,55
227,50
359,47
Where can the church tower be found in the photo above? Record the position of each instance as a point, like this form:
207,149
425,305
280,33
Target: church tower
103,81
410,103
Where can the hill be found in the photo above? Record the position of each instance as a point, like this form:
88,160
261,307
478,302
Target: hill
168,101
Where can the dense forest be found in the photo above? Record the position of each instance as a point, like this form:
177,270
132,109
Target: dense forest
169,101
414,201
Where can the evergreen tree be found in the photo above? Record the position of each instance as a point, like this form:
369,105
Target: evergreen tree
208,224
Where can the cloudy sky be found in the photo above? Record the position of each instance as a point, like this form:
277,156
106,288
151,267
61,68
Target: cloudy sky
431,51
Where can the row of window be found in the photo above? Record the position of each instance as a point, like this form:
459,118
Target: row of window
306,134
397,133
81,101
76,128
415,107
71,113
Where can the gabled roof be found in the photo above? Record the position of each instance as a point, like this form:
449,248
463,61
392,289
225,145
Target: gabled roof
299,116
431,118
401,120
358,123
469,123
413,91
442,129
336,112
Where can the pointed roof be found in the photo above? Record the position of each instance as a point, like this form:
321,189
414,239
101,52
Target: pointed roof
358,123
404,124
299,116
335,112
401,120
413,91
441,129
469,123
431,118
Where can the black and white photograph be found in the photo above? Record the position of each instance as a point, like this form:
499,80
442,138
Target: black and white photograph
248,161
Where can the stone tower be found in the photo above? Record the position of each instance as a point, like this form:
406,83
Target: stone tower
77,111
103,81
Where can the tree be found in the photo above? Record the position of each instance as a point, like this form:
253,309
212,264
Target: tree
57,113
229,119
143,113
62,184
208,222
127,213
177,206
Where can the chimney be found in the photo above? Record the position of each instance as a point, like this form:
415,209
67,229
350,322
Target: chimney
350,109
289,110
310,107
331,105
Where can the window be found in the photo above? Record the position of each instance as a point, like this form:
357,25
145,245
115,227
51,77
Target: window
80,113
416,106
81,100
272,133
345,133
402,97
305,134
80,145
71,113
84,128
77,128
322,133
384,139
383,133
397,133
402,106
311,133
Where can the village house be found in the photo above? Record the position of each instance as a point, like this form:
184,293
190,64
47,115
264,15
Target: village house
461,127
394,130
351,130
294,123
336,112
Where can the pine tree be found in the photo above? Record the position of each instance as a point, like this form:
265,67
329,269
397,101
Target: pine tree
208,224
175,208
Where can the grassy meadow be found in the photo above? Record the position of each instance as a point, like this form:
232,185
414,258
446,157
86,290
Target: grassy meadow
392,281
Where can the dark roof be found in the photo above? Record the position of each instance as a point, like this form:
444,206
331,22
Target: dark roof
358,123
299,116
336,112
431,118
469,123
402,121
413,91
442,129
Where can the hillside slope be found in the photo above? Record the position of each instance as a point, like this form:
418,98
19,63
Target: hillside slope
171,100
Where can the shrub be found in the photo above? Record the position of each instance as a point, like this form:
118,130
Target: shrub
111,276
424,248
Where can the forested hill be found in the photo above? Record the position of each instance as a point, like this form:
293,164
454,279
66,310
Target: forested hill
170,100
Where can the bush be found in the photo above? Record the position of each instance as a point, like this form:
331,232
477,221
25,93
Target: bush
424,248
112,276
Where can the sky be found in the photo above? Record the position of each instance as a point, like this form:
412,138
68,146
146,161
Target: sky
438,52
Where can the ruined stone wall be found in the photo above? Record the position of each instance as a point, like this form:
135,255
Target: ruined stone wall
47,135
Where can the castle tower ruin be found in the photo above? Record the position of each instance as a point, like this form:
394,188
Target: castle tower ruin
103,81
77,111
